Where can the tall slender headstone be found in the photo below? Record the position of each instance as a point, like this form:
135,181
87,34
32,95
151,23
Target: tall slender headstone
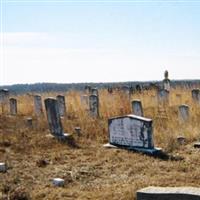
137,108
61,105
183,113
38,105
53,117
166,81
94,105
13,106
196,95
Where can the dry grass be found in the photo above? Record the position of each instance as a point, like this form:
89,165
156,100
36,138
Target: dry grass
89,170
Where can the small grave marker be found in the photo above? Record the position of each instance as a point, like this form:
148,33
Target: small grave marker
13,106
183,113
137,108
196,95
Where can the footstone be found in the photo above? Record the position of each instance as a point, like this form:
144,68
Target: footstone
58,182
3,167
169,193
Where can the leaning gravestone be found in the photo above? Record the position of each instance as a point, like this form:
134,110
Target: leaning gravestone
196,95
53,117
13,106
61,105
137,108
168,193
183,113
94,105
132,132
38,105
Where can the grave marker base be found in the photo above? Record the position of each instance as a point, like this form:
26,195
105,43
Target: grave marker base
138,149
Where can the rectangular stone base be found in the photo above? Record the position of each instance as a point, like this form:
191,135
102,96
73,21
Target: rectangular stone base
142,150
169,193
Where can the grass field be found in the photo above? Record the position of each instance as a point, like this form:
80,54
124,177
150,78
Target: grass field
91,171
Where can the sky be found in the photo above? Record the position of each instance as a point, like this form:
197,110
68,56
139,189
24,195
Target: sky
67,41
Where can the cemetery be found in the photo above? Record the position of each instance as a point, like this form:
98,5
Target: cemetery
97,144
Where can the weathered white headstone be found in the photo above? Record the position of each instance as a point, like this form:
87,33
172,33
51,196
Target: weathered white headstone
38,105
131,132
94,105
61,105
183,113
137,108
13,106
53,117
196,95
169,193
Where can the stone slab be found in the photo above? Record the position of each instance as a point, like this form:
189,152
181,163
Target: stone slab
169,193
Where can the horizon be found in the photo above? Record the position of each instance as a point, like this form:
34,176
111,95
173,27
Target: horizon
98,41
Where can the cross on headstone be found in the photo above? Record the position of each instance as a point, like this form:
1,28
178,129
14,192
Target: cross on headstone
94,105
38,105
13,106
183,113
196,95
137,108
53,117
61,105
132,132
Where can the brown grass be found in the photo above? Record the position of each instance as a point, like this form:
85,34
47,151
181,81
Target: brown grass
89,170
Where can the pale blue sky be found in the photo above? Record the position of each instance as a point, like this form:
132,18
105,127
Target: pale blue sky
99,41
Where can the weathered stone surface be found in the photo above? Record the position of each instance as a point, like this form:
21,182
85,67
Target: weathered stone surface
169,193
4,95
53,116
13,106
183,113
131,131
58,182
61,105
94,91
196,95
94,105
163,96
181,140
197,145
3,167
38,105
29,122
137,108
85,100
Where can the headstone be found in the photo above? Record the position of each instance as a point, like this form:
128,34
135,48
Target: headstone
38,105
137,108
181,140
13,106
132,132
53,117
94,91
94,105
61,105
168,193
166,81
183,113
78,130
4,96
196,95
84,99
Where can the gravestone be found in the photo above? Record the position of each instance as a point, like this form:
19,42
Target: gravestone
94,91
137,108
166,81
53,117
4,96
168,193
61,105
94,105
38,105
29,121
13,106
84,99
183,113
132,132
196,95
